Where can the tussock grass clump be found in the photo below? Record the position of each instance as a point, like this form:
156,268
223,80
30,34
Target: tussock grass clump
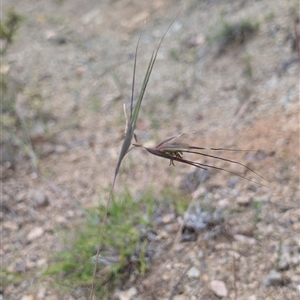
123,251
233,34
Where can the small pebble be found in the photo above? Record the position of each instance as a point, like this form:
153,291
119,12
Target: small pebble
283,264
173,227
128,294
201,254
168,218
218,288
35,233
40,199
193,272
244,200
162,235
179,297
55,38
273,278
27,297
244,239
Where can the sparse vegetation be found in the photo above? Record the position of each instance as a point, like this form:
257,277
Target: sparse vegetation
126,245
233,34
8,28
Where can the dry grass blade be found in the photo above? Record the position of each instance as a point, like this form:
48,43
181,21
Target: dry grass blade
134,112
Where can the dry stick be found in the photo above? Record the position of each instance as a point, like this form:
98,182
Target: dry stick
236,118
297,36
65,194
178,282
234,276
29,143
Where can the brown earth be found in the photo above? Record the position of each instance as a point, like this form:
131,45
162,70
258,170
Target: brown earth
75,58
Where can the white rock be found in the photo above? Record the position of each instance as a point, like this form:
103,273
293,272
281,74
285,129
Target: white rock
35,233
179,297
27,297
168,218
218,288
127,295
40,199
193,272
90,16
273,278
244,239
201,254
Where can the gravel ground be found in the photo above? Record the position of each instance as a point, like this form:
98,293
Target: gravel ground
75,59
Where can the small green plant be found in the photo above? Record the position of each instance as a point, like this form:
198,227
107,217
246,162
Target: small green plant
270,16
59,2
256,212
8,277
8,28
248,70
279,254
233,34
174,55
123,249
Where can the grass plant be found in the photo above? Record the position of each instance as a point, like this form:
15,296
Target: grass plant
169,148
130,128
256,212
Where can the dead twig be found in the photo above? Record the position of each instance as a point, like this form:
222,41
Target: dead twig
297,35
234,276
175,286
